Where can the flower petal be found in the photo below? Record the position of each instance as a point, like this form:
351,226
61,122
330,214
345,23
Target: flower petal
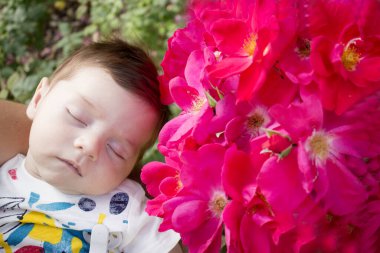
190,215
239,175
153,173
280,182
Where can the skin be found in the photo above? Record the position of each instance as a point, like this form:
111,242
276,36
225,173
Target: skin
86,129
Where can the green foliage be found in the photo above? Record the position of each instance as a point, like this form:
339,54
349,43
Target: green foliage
148,23
35,36
151,22
22,26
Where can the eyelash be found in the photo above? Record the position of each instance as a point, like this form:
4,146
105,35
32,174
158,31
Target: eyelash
75,118
116,153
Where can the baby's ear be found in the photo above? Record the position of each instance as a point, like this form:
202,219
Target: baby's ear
41,91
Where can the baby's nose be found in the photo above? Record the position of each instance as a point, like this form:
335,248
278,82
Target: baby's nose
89,146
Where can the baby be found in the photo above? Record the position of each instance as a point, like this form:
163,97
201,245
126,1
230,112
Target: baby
92,120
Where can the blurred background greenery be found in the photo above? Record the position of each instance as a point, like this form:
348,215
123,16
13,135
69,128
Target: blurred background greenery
35,36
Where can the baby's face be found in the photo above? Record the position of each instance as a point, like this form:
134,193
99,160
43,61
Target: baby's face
87,132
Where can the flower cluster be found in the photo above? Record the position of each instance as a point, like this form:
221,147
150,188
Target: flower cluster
277,147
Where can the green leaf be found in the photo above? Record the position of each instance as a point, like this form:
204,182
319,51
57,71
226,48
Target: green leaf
13,79
211,101
24,88
285,152
4,94
81,11
64,28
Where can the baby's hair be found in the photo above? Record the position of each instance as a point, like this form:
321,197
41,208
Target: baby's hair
129,66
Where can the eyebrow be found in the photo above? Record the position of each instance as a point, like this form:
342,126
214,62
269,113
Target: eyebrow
91,106
88,102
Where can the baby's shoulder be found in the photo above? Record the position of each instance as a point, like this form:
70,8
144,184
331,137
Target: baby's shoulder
15,161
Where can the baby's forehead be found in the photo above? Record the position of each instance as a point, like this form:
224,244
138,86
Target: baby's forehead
68,71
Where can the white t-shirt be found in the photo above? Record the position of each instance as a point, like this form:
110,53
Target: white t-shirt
34,215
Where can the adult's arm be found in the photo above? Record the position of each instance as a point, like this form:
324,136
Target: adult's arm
14,130
177,249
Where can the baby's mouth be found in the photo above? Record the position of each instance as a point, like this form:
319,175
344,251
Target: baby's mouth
71,165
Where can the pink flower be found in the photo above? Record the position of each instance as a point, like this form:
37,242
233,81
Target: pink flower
266,194
277,146
249,122
250,46
196,211
196,97
345,56
180,46
196,109
191,129
320,151
280,181
295,61
244,224
176,132
162,182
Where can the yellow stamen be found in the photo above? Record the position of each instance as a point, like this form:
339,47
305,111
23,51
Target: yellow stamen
256,120
250,44
179,183
351,56
198,104
319,146
218,203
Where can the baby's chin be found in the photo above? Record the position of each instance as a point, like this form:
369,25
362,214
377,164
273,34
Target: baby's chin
75,187
65,190
88,192
72,191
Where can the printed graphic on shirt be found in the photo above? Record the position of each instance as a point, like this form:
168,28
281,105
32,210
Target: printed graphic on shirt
26,226
118,203
34,228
